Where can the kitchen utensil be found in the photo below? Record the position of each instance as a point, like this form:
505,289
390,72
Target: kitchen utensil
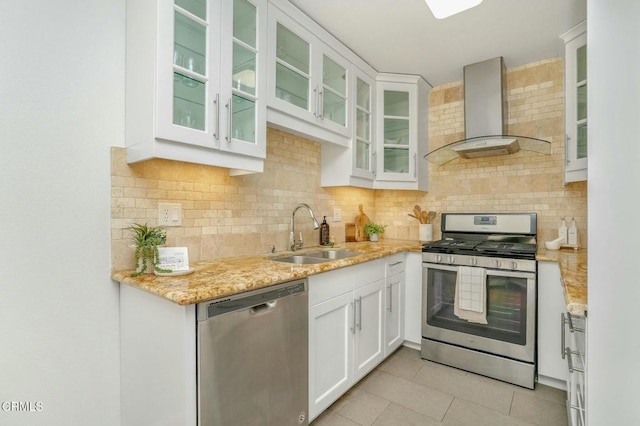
361,220
350,232
413,216
431,216
417,211
424,219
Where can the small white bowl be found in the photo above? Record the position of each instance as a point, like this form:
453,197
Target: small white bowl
553,245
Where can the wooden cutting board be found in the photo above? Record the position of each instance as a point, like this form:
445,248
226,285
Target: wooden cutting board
361,220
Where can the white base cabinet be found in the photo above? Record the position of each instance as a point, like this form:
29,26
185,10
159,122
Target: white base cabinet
576,363
356,319
157,360
413,300
394,306
562,360
552,368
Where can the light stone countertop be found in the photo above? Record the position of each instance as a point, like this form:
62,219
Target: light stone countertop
225,277
573,271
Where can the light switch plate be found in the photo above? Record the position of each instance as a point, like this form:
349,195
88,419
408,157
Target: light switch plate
169,214
337,215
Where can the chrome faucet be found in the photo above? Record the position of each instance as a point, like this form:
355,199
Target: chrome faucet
292,237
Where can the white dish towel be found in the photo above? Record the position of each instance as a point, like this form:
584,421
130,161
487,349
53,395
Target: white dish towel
469,304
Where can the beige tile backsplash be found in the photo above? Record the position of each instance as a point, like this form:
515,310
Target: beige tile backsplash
227,216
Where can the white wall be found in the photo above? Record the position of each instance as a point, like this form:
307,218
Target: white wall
61,108
614,187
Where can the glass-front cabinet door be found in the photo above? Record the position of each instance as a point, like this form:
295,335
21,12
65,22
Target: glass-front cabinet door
332,93
397,159
576,103
243,77
308,80
187,72
364,150
196,82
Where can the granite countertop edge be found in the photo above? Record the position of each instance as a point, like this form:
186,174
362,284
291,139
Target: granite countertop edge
228,276
573,272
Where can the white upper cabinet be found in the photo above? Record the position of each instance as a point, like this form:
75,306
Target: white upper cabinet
576,103
402,117
196,82
355,164
308,83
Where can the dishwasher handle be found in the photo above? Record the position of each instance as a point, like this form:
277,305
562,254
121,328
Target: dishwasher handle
264,307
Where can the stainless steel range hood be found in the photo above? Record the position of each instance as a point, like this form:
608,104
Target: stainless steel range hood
485,118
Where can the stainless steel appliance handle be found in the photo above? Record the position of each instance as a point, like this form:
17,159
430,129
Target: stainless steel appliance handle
264,307
360,313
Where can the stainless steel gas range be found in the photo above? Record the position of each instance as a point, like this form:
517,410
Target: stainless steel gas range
479,295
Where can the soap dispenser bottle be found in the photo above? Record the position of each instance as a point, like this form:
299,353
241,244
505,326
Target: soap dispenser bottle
562,231
324,232
572,234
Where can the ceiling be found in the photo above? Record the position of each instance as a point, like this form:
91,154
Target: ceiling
402,36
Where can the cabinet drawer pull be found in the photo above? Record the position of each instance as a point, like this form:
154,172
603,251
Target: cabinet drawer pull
400,262
230,112
353,307
359,313
569,352
573,329
562,335
216,101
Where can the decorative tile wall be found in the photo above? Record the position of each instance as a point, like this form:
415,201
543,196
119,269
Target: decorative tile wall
227,216
521,182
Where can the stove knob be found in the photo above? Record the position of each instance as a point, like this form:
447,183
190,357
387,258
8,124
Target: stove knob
473,261
452,259
514,265
438,258
498,263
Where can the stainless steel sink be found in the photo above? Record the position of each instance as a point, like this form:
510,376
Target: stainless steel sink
333,254
300,260
316,257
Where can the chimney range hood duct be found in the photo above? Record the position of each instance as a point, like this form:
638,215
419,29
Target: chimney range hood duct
485,118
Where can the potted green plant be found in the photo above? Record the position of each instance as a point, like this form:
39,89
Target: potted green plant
147,239
373,230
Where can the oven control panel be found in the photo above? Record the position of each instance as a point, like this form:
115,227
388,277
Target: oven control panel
524,265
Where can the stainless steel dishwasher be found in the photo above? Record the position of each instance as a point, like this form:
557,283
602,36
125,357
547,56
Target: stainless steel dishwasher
253,358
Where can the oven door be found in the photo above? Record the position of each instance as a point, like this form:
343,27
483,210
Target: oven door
510,307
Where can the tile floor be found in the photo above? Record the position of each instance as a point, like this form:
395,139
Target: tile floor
407,390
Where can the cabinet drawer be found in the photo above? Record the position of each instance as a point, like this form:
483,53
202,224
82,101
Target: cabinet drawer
395,265
369,272
330,284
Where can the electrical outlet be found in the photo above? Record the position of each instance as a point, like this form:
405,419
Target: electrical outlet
169,214
337,215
